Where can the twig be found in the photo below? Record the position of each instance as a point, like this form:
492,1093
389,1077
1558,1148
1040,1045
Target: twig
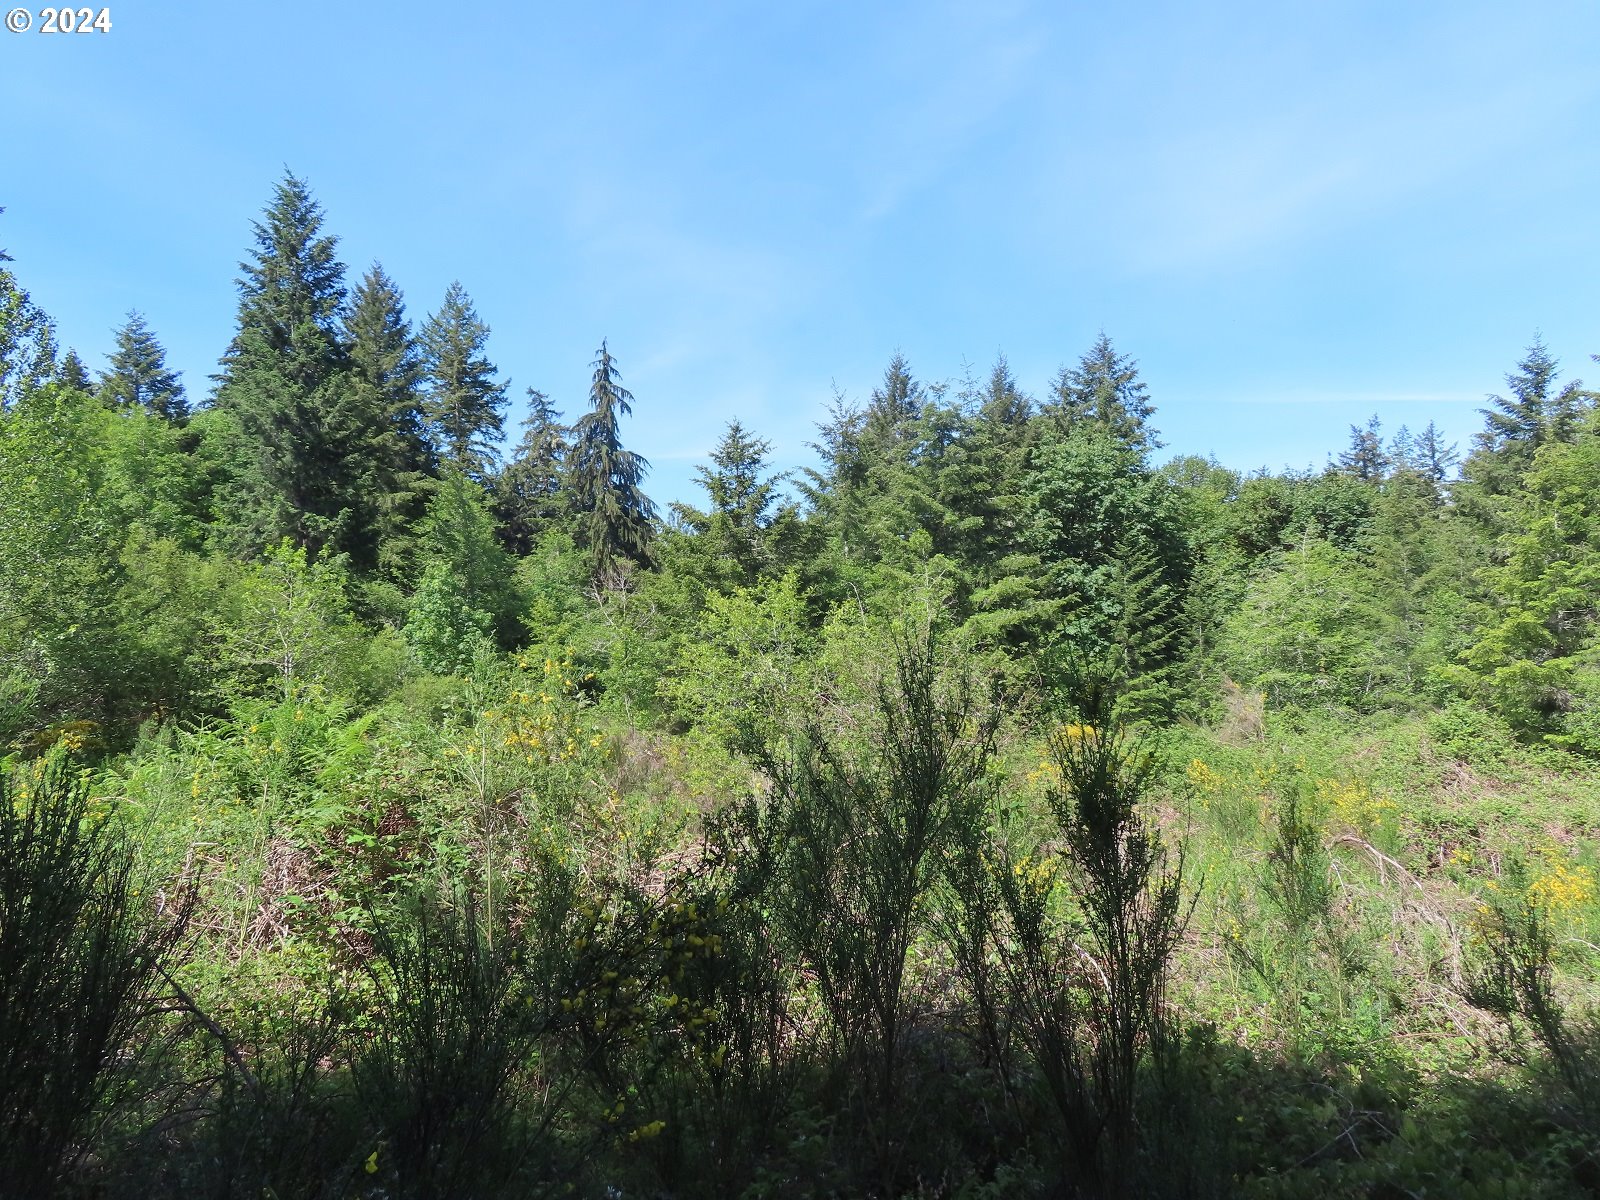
216,1031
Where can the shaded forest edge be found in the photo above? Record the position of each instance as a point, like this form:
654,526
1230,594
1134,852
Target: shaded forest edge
989,810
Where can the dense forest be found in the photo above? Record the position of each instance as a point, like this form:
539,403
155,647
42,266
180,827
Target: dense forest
395,805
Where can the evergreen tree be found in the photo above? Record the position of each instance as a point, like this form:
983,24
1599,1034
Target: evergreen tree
465,404
615,516
289,419
1434,458
1113,563
396,458
979,491
138,376
27,340
466,587
1365,459
742,493
528,493
737,483
895,405
1402,451
1002,403
1534,659
1536,413
839,448
833,492
1104,389
885,459
71,372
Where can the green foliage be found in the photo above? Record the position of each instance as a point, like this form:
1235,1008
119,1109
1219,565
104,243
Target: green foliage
456,1022
736,883
1304,951
742,672
1521,929
138,375
553,580
1536,414
1104,392
88,492
872,802
81,962
740,539
444,630
467,598
1537,661
1109,538
392,448
287,625
27,340
528,492
465,406
289,445
54,553
1130,897
1313,631
615,517
1365,460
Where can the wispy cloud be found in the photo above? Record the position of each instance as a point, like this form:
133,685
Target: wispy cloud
968,67
1374,399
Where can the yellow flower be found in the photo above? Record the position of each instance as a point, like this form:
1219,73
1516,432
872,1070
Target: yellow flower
1562,889
1203,779
1354,805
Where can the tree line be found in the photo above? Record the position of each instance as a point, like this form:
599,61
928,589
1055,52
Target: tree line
340,439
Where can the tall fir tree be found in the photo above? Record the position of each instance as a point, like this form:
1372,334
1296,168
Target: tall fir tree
1402,450
844,463
465,403
615,516
1002,403
138,376
528,497
70,372
981,493
905,430
290,422
895,407
1365,459
1105,390
1537,412
1112,548
396,458
835,493
1436,461
743,494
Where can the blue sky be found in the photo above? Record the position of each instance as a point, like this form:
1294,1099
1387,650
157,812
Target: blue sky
1293,216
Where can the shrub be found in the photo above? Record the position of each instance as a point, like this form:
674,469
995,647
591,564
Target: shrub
80,960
